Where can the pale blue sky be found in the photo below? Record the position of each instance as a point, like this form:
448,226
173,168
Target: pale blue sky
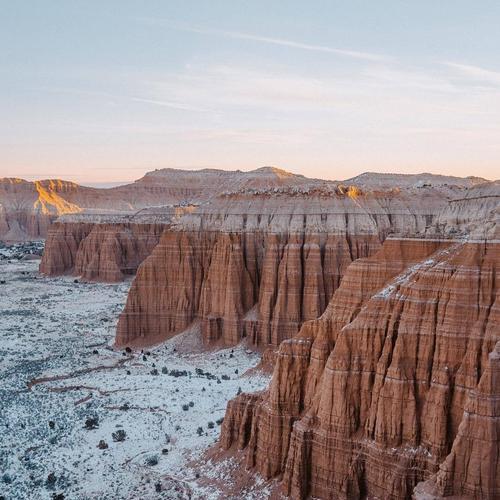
106,90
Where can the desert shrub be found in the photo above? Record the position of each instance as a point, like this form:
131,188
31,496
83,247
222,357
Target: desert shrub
91,423
210,425
225,377
119,436
154,371
185,407
219,421
158,487
191,404
164,370
152,460
51,480
52,424
102,445
199,431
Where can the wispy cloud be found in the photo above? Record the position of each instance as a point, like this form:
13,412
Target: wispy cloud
169,104
366,56
124,98
476,72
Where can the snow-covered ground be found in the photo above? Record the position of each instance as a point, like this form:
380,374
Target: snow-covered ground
57,371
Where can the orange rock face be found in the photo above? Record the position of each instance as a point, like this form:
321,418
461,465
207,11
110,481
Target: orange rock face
473,466
256,285
393,383
98,252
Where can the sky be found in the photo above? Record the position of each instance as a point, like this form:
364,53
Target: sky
103,91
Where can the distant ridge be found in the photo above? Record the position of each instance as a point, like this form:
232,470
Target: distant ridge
382,179
28,208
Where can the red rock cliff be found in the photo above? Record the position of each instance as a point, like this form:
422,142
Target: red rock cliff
98,252
253,284
391,385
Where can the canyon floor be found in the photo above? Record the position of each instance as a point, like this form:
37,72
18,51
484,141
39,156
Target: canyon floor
63,389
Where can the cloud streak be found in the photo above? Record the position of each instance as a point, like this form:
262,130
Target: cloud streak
354,54
476,72
169,104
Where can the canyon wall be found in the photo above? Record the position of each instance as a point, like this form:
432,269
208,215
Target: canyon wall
258,263
249,284
19,225
392,384
28,208
98,251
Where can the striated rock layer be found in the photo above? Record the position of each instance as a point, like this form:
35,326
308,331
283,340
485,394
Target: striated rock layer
28,208
257,264
473,466
98,252
256,285
391,385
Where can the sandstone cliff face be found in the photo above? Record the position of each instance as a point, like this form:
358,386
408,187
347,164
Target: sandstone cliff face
247,284
98,252
475,214
258,263
382,390
28,208
61,247
473,466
